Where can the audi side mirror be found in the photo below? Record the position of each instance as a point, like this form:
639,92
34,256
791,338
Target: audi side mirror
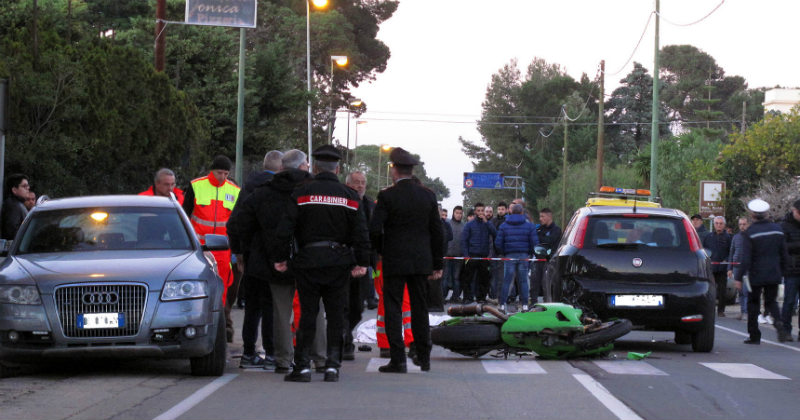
216,243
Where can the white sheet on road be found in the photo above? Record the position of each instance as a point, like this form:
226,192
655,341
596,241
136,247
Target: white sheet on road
367,330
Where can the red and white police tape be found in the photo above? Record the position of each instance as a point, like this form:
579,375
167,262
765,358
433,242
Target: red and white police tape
495,259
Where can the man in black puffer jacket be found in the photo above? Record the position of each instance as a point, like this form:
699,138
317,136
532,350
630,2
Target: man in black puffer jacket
791,277
764,258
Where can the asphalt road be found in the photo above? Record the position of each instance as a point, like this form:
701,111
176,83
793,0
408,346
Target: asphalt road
735,381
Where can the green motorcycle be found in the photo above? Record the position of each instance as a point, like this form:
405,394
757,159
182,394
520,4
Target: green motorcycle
551,330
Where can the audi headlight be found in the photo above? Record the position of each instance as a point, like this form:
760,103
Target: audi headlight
21,295
184,289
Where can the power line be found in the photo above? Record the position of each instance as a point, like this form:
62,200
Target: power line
695,22
543,124
649,18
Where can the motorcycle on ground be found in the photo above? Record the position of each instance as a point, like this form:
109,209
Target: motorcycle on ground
551,330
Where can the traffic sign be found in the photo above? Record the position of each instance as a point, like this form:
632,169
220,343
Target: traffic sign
236,13
487,180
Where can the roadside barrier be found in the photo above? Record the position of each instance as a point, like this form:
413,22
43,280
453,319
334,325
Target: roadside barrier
495,259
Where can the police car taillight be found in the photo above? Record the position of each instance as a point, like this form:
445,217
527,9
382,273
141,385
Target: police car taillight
580,234
691,234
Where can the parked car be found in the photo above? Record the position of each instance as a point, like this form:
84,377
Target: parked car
642,263
112,276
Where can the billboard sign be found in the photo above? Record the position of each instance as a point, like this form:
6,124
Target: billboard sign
236,13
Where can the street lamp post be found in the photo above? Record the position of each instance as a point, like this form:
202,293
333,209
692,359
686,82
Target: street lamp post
341,61
317,4
382,148
355,148
356,103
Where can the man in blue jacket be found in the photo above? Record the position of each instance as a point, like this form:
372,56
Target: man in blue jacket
476,238
516,238
764,258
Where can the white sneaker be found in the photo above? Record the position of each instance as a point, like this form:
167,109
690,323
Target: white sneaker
503,308
762,319
524,308
770,320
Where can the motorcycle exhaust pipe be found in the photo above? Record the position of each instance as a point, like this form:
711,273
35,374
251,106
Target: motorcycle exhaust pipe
475,309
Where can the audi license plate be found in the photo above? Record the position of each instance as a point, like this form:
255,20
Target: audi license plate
107,320
637,300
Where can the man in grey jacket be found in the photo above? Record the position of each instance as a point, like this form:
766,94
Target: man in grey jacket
452,268
735,256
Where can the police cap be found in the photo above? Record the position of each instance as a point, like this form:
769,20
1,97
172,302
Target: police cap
758,206
400,156
327,153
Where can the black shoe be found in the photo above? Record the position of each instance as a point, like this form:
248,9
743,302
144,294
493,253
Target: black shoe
229,334
425,366
720,314
752,341
393,368
331,375
298,376
385,354
784,337
250,361
283,369
372,303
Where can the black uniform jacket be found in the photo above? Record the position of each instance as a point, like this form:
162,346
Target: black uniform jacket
406,229
254,181
255,220
324,210
791,231
764,255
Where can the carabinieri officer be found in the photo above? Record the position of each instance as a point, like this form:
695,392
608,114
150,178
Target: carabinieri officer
332,244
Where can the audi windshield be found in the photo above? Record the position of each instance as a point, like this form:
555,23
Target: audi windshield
108,228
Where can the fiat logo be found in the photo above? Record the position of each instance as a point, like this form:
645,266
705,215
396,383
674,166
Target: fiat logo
637,262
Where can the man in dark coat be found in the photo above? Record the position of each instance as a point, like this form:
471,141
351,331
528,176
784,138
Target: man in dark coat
242,232
719,243
764,258
260,214
14,210
406,229
332,241
791,279
549,235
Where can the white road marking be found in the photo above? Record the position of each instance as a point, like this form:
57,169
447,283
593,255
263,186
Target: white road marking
629,367
376,362
520,367
617,407
730,330
194,399
744,371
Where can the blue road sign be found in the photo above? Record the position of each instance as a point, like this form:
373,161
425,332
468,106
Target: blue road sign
489,180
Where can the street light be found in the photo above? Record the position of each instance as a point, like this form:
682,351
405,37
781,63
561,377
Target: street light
355,148
341,61
353,103
383,148
319,4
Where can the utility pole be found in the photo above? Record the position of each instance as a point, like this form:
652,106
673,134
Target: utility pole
600,127
161,41
654,127
744,115
240,112
35,34
564,173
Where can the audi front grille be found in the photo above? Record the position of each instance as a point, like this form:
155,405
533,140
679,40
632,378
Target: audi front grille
126,299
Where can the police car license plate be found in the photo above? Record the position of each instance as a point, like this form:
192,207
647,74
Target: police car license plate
104,320
637,300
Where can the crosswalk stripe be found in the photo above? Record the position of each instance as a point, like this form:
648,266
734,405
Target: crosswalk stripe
629,367
519,367
612,403
376,362
744,371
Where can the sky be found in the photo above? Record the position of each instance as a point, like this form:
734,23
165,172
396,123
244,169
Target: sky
444,53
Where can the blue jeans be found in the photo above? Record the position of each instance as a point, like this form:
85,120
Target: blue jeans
452,271
791,289
520,268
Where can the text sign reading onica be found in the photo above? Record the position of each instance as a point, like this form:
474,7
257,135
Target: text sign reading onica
236,13
489,180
